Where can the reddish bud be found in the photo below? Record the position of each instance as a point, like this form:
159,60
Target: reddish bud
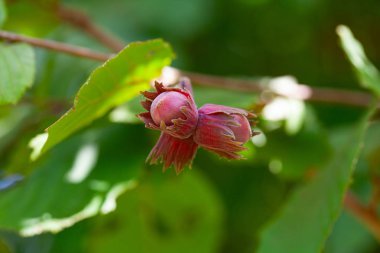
166,107
171,110
217,128
242,131
223,129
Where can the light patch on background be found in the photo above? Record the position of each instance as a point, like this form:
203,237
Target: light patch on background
46,223
275,166
288,86
84,162
109,204
295,117
122,114
36,144
259,140
276,110
292,111
169,75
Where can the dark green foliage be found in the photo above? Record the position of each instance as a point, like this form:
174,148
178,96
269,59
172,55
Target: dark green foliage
88,188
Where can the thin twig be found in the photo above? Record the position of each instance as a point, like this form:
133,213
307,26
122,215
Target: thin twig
329,95
326,95
56,46
365,215
344,97
224,82
78,19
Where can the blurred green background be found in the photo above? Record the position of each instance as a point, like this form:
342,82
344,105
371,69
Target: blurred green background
219,205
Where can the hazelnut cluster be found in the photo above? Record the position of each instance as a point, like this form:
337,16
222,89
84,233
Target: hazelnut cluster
217,128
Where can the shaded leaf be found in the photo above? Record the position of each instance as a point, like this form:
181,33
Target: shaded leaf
251,196
12,120
206,95
17,68
115,82
80,179
4,248
163,214
308,217
32,17
349,236
285,161
366,72
3,12
18,244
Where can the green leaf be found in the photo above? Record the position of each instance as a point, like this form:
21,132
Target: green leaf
17,67
33,18
11,121
241,189
286,162
366,72
117,81
349,236
80,179
308,217
4,247
165,213
3,12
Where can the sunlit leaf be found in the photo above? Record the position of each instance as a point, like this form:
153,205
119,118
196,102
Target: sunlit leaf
308,217
17,67
368,75
115,82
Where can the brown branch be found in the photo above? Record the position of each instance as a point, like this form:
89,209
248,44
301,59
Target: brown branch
55,46
224,82
343,97
364,214
327,95
82,21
